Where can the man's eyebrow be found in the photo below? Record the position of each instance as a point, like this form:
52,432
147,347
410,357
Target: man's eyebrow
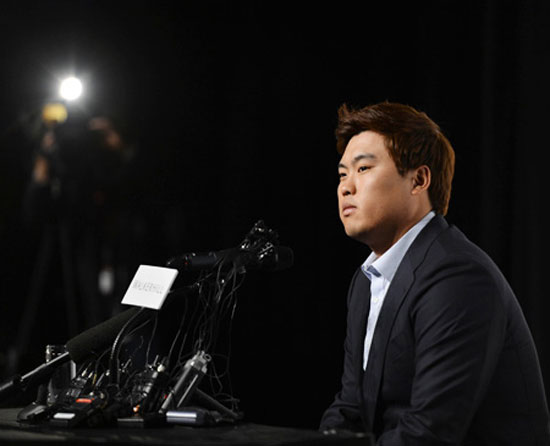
357,158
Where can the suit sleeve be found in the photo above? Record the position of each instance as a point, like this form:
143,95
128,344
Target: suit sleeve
459,326
344,412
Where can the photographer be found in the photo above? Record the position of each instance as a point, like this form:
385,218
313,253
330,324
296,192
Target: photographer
79,198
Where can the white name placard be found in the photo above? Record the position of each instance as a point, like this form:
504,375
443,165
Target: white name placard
150,286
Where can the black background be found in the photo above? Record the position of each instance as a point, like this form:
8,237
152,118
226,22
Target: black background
233,106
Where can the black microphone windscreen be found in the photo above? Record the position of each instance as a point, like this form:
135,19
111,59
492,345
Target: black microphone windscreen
99,337
285,258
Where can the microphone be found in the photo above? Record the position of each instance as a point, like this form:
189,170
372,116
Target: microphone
199,261
89,342
270,258
193,372
98,338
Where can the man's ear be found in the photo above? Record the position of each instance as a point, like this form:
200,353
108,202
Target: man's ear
422,178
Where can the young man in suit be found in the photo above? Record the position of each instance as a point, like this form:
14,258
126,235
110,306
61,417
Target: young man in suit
437,350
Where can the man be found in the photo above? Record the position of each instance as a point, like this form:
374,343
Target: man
437,350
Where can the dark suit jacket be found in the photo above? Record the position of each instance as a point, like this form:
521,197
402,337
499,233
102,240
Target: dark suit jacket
452,360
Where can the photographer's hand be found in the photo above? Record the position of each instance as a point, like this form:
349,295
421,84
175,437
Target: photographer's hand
111,137
41,170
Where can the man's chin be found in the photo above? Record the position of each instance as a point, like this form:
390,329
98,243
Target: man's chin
355,234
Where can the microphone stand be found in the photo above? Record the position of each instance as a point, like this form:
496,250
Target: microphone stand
40,374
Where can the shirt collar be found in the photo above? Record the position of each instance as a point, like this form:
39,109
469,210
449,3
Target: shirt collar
386,265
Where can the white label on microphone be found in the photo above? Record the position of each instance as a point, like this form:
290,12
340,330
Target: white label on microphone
150,286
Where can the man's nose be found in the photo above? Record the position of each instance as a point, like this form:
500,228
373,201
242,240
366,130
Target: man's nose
347,187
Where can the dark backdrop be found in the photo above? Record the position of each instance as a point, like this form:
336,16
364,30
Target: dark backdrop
233,108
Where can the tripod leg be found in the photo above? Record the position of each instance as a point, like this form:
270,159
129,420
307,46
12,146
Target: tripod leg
38,281
68,279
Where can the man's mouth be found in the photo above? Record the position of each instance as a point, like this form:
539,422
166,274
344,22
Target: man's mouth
348,210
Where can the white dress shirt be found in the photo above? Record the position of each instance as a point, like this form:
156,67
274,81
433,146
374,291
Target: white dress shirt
380,272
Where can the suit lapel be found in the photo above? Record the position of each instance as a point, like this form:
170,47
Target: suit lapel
401,283
362,294
393,300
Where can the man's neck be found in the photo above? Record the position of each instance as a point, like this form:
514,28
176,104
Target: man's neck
393,235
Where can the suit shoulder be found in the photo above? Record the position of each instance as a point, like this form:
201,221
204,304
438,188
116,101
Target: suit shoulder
452,253
453,246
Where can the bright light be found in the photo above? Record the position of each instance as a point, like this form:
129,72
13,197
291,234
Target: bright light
70,89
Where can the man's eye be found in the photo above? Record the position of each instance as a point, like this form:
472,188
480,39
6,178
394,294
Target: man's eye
363,168
341,175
